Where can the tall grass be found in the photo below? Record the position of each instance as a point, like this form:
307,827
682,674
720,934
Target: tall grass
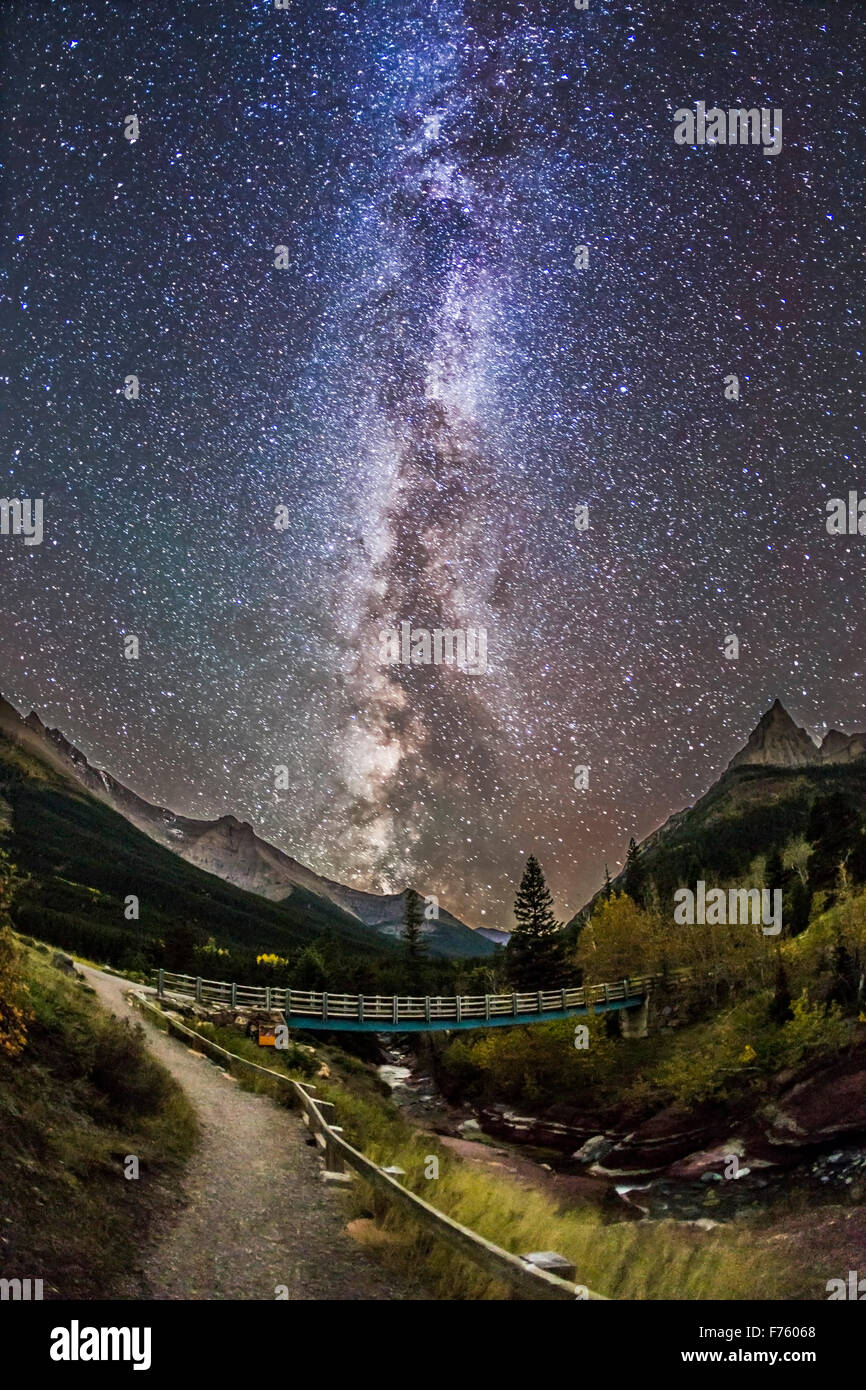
84,1093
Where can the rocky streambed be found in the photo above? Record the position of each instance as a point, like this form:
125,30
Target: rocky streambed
711,1165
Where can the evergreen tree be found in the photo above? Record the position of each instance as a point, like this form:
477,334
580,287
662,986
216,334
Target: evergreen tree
309,971
413,939
607,884
633,878
535,956
774,873
801,906
780,1009
834,831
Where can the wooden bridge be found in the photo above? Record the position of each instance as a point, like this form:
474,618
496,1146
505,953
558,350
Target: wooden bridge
377,1013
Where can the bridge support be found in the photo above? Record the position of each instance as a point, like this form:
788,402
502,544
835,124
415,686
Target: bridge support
634,1021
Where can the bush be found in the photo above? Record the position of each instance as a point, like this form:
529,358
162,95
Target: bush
124,1070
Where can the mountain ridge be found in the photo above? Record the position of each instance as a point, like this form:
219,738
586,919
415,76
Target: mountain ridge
231,849
779,763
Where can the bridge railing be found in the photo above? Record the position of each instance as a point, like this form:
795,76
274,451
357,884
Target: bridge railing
371,1008
521,1273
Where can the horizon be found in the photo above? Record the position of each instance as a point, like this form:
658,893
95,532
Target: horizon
216,816
409,325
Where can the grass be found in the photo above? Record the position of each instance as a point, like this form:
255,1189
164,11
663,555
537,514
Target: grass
83,1095
626,1260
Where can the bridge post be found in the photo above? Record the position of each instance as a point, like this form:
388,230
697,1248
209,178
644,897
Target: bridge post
540,1005
634,1022
563,1001
427,1008
324,1007
360,1008
459,1009
396,1015
268,998
234,995
487,1006
514,1005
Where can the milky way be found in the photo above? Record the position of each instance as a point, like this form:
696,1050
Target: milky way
430,388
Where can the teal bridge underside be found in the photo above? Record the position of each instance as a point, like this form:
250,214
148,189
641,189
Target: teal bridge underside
321,1011
421,1025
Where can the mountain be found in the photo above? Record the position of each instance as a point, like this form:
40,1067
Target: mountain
231,850
84,863
777,741
780,786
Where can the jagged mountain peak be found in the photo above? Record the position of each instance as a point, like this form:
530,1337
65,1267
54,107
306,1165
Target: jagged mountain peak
777,741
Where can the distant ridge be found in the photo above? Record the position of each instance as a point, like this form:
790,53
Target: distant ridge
231,850
778,761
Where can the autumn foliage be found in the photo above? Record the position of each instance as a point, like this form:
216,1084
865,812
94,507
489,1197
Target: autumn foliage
14,1014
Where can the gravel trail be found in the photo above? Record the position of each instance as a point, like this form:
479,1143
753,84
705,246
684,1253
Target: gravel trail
255,1213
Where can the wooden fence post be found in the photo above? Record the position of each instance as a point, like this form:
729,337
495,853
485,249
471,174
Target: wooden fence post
198,989
160,983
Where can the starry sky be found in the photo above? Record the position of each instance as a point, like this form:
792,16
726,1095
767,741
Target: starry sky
430,388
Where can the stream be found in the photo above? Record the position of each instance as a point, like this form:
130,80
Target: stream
839,1176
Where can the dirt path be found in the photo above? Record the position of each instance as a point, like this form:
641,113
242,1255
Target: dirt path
256,1214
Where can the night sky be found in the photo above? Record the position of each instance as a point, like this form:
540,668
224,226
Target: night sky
431,388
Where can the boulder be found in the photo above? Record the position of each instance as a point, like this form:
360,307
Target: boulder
705,1162
64,963
594,1150
658,1142
826,1106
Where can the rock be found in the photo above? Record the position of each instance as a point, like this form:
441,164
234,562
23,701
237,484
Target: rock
699,1164
658,1142
469,1127
829,1105
64,963
594,1150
